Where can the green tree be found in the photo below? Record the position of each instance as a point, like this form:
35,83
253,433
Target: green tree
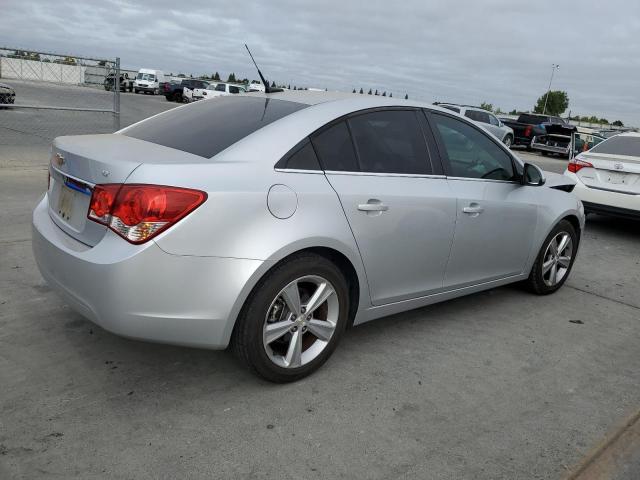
391,95
513,112
361,91
370,92
273,84
618,123
376,92
406,96
557,103
605,121
231,78
216,76
487,106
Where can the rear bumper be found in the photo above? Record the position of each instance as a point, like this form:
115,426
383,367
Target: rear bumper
605,201
140,291
522,141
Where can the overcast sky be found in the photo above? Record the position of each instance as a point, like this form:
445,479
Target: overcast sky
465,51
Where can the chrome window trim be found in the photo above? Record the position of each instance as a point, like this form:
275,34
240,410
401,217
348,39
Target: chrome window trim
382,174
492,180
298,170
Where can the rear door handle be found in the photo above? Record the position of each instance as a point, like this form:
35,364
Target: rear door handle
373,205
473,208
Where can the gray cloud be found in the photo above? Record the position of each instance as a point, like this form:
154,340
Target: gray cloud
465,51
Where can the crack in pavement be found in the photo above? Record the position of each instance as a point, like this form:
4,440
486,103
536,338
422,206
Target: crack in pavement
603,297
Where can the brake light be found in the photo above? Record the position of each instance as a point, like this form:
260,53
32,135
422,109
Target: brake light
527,131
139,212
576,164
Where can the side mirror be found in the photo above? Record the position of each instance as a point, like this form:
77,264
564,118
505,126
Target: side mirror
533,175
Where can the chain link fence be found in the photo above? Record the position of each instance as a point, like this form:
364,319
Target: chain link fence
46,95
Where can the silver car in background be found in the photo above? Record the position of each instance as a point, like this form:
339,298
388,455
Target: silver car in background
484,119
272,222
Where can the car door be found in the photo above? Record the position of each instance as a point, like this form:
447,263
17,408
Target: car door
396,200
495,219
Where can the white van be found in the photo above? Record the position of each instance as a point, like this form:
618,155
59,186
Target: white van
148,80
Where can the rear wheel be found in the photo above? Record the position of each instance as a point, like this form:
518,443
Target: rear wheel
293,319
508,141
555,260
544,154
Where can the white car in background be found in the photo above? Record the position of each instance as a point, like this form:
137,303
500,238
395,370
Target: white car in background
608,176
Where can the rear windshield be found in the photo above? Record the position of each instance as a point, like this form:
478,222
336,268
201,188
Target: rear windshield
619,145
207,127
532,119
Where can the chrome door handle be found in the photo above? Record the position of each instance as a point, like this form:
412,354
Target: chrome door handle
474,208
373,206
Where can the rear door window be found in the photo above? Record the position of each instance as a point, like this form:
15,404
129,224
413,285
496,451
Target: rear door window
206,128
390,141
335,149
302,158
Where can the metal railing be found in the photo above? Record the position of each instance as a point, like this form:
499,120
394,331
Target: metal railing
57,94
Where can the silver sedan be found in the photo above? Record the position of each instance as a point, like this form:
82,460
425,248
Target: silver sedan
272,222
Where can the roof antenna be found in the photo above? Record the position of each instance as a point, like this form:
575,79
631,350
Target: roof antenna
267,89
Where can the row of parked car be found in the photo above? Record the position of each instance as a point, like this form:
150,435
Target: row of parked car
546,134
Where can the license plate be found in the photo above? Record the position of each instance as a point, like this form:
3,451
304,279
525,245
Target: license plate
65,204
616,178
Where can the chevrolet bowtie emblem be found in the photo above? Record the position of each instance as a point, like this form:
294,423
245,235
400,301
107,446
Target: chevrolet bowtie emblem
58,159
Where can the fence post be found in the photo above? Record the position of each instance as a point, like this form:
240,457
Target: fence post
116,95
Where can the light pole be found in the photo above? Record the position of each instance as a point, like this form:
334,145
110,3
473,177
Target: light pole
554,67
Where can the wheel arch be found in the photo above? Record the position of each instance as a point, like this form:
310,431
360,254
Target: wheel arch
348,262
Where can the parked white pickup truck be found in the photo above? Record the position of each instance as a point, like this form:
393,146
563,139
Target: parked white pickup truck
212,91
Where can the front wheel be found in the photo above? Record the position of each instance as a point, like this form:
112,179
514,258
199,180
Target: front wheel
293,319
555,260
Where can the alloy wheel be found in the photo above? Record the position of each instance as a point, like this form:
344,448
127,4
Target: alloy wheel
300,321
557,259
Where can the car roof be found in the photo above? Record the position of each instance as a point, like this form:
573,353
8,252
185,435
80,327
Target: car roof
358,100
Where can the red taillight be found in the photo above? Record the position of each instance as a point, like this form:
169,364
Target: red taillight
576,164
139,212
527,131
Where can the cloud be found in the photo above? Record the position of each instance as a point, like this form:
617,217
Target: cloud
466,51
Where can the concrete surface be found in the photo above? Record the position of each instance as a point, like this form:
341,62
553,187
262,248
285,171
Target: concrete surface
501,384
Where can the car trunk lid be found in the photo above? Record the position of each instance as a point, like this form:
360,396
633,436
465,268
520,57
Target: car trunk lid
77,164
617,173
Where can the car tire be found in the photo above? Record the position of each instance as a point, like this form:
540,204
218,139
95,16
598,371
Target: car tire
508,141
266,353
551,268
544,154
